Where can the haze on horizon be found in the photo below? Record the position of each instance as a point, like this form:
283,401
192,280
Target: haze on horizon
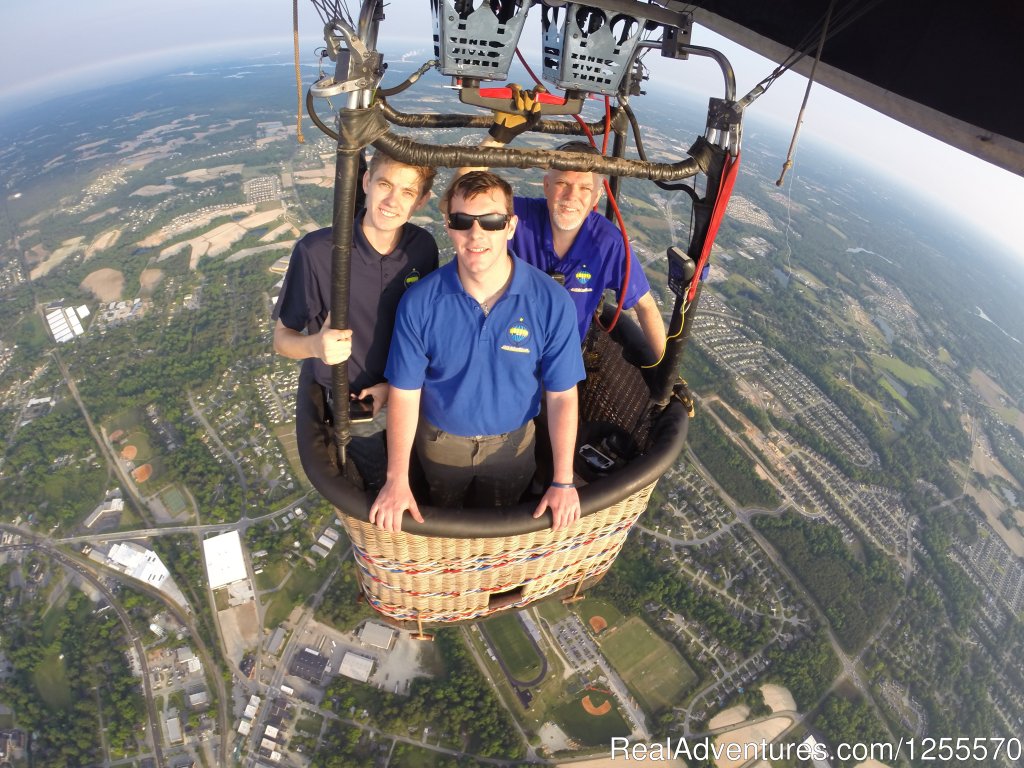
57,49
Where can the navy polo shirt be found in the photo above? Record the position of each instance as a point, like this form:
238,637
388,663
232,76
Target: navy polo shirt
376,284
592,264
483,375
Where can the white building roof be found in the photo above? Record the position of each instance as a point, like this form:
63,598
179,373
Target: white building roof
377,635
244,727
271,732
357,667
225,563
140,563
316,549
173,729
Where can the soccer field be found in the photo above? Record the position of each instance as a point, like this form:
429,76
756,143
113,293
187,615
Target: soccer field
507,635
654,671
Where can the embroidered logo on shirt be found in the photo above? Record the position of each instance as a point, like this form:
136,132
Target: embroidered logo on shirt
517,334
412,277
582,277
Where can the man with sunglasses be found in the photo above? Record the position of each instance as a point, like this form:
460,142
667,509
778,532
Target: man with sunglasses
475,346
562,235
388,255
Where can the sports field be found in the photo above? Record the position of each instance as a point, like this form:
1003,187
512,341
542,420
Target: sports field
590,609
511,643
174,500
654,671
589,729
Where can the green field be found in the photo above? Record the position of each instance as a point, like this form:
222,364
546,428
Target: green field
512,644
552,611
917,377
591,607
51,680
885,384
300,585
285,434
412,756
590,730
310,723
654,671
173,499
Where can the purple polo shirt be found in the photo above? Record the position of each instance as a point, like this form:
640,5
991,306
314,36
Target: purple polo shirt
592,264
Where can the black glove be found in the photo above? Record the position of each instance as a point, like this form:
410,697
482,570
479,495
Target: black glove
508,125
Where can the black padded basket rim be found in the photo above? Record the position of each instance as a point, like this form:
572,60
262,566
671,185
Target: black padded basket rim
316,449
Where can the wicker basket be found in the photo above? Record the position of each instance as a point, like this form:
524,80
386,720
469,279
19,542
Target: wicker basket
408,577
461,565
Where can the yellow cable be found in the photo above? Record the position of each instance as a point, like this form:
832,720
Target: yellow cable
298,73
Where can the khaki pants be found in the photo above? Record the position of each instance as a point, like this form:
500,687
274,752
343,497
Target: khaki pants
482,471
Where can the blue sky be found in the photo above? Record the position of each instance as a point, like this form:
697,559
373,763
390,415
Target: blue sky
52,47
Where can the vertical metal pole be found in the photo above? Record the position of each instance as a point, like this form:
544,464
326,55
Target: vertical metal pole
346,199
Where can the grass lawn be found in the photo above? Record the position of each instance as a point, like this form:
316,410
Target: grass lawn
300,585
273,574
126,421
591,730
918,377
52,619
51,680
309,724
411,756
654,671
591,607
222,599
552,611
904,404
508,636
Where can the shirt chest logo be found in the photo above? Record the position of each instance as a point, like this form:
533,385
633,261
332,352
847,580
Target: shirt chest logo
412,277
582,276
516,336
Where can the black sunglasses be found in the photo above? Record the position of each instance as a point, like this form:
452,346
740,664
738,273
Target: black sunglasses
491,222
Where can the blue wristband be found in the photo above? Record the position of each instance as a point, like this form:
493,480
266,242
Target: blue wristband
563,485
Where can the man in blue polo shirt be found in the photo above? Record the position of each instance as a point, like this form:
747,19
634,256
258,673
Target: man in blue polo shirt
388,255
561,234
475,346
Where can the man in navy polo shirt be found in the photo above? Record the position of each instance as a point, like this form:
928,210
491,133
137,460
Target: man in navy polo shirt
562,234
388,255
475,346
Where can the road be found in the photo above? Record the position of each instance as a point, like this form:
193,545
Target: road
154,735
113,461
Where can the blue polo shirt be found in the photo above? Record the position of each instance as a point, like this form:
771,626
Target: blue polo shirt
484,375
592,264
376,283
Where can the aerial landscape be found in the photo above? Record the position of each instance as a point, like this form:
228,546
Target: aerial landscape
835,557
